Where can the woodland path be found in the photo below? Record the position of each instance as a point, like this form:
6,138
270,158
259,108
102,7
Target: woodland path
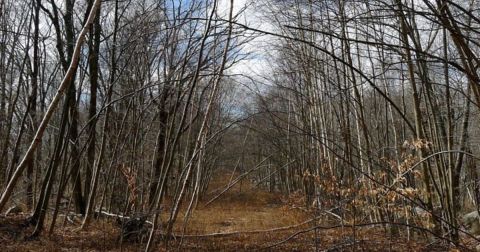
245,218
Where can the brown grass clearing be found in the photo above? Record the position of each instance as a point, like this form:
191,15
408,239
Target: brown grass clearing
241,211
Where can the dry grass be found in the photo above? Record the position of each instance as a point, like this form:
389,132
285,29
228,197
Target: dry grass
246,210
241,210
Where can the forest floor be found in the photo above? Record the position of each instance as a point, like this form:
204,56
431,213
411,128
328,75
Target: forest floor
245,218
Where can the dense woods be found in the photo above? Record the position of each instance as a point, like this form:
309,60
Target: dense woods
362,114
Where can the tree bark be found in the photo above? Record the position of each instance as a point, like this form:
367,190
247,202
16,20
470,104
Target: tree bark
51,108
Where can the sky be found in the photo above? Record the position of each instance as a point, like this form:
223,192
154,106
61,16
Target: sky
257,63
250,71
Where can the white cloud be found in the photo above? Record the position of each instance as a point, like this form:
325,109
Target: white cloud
251,16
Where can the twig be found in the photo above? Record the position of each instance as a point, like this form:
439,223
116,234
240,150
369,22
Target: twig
251,231
361,225
238,179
